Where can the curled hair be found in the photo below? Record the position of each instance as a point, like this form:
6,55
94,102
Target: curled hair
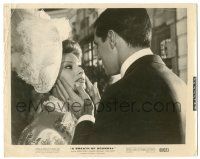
70,46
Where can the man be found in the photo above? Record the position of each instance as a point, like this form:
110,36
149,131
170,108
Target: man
145,105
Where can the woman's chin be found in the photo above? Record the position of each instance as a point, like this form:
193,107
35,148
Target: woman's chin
80,84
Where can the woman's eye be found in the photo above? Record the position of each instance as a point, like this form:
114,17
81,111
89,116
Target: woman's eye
68,67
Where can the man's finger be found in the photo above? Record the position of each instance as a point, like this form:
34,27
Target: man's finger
88,83
56,93
60,95
82,93
96,90
63,90
68,89
95,84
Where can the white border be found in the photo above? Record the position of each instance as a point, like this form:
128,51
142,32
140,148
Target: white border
63,1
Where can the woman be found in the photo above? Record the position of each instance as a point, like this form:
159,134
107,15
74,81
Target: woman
55,123
36,54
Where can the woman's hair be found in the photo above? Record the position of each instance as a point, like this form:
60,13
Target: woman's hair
70,46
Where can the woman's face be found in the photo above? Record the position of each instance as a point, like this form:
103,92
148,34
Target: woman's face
71,71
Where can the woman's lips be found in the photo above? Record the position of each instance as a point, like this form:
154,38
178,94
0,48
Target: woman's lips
81,80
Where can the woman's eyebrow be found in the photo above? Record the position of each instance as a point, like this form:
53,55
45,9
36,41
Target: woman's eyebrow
66,61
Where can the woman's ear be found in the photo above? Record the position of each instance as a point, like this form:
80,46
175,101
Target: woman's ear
112,38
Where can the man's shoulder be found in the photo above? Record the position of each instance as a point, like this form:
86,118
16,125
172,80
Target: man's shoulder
120,89
154,78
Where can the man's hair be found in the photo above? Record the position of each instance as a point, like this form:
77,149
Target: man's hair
70,46
132,24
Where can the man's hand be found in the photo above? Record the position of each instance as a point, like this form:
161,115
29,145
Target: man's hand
79,103
93,91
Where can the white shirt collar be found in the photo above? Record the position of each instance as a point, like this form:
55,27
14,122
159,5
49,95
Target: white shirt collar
131,59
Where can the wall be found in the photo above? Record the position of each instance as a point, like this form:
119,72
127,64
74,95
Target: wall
181,30
176,22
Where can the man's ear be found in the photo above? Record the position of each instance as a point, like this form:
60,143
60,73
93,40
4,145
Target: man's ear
112,38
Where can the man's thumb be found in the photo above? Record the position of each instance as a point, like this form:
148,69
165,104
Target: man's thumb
82,92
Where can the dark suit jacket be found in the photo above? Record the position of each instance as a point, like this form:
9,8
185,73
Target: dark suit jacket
143,107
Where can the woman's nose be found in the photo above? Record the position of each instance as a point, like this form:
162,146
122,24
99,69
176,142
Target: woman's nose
80,71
